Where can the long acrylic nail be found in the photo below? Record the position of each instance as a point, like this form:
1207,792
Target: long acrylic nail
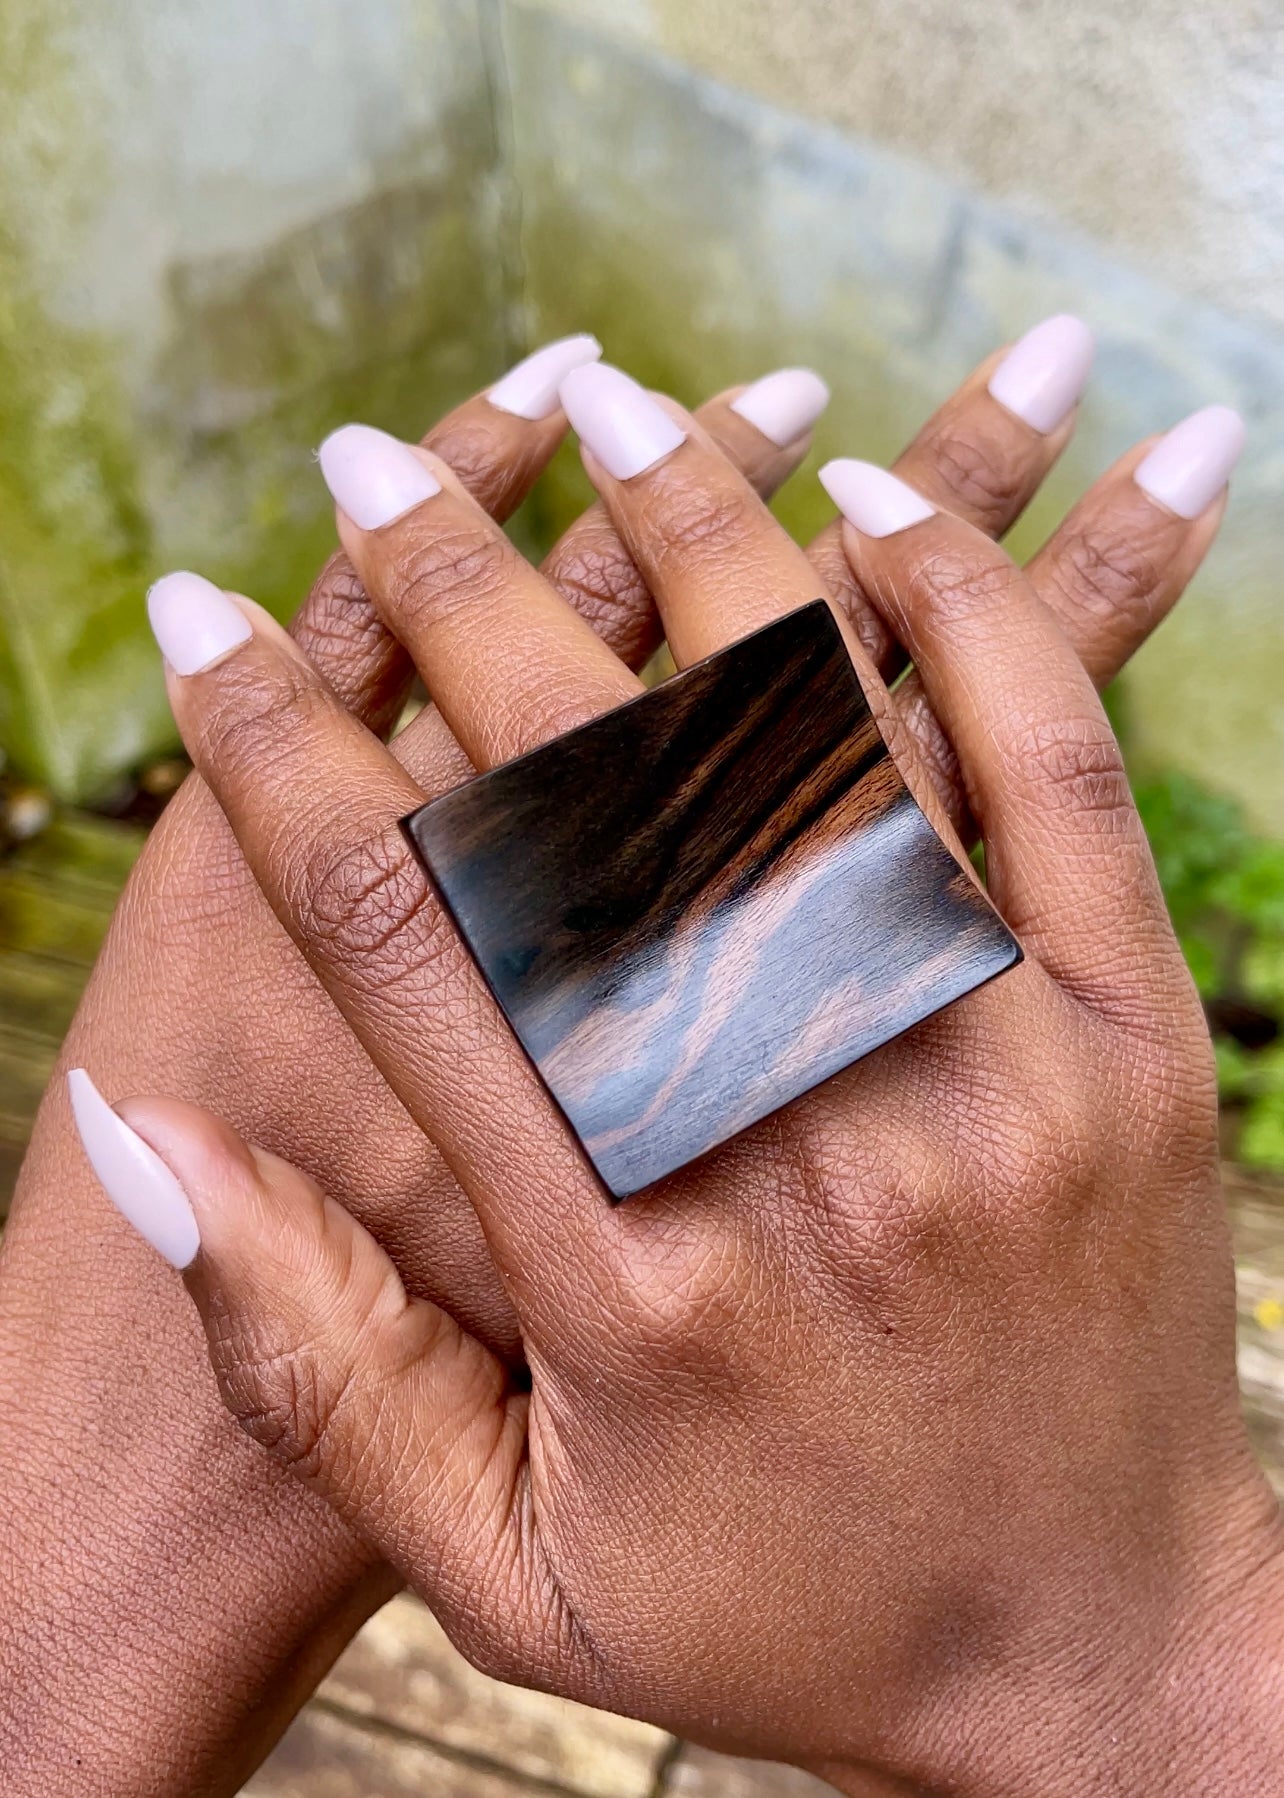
783,405
1188,468
373,477
530,389
1043,375
194,622
618,421
132,1174
875,501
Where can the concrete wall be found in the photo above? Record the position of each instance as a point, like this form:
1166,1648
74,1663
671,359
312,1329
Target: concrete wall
1152,126
235,227
708,235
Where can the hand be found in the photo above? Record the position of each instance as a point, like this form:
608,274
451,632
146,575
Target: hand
120,1478
117,1481
900,1434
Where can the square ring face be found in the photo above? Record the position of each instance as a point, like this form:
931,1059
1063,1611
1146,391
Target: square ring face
702,904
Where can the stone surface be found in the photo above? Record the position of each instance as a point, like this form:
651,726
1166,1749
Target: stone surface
401,1670
57,894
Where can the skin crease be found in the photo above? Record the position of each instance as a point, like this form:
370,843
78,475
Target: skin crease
104,1493
898,1438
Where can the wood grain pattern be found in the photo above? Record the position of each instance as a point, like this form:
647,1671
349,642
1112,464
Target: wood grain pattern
697,907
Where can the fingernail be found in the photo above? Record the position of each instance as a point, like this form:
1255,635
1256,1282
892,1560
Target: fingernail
1042,376
876,502
132,1174
1188,468
530,389
373,477
618,421
783,405
194,622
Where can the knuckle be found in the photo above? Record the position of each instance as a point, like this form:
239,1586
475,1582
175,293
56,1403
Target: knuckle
597,578
452,568
690,521
338,616
682,1297
598,582
355,904
1112,573
1078,765
954,585
476,459
986,479
259,714
282,1397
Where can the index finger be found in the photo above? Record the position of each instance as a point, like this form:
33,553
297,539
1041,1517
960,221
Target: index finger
497,443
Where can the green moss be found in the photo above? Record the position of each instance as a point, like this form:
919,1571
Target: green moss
73,534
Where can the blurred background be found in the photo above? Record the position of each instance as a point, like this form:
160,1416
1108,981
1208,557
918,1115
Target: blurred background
225,230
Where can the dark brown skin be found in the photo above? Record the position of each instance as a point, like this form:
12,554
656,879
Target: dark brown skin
120,1475
899,1438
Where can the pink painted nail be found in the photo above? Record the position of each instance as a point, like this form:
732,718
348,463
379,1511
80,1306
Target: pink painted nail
194,622
132,1174
618,422
783,405
373,477
530,389
1042,376
1188,468
876,502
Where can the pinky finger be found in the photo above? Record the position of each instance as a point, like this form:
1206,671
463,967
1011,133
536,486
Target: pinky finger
1121,560
1114,569
404,1423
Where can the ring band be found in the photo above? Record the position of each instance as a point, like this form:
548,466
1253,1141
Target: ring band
695,908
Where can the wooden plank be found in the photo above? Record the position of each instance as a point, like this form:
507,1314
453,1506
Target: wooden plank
37,996
1257,1222
38,917
78,850
699,1773
402,1670
25,1067
11,1154
328,1755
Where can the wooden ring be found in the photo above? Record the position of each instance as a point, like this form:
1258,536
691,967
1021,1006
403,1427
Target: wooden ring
697,907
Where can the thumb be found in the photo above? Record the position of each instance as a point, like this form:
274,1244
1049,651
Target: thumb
403,1421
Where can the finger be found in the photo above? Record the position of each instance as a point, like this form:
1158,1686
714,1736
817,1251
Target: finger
983,456
314,801
1066,858
404,1423
719,565
717,562
497,443
764,430
1115,568
507,663
1122,558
